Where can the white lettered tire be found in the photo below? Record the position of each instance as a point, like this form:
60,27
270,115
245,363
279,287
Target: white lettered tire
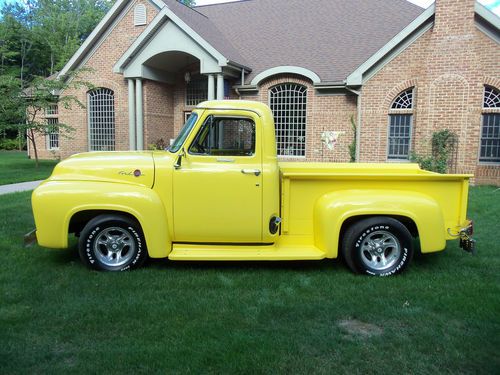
377,246
112,242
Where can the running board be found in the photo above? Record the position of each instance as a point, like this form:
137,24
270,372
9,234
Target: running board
234,252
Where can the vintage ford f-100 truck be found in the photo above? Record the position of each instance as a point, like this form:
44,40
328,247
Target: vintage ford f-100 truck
219,193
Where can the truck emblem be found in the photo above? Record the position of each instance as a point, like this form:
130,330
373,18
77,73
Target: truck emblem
136,173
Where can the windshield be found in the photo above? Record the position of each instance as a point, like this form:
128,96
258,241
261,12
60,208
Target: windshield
186,129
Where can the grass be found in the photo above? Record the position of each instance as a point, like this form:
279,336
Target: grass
16,167
441,316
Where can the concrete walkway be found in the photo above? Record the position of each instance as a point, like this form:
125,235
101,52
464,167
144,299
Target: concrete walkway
22,186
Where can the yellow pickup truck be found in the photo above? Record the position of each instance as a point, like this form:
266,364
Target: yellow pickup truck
219,193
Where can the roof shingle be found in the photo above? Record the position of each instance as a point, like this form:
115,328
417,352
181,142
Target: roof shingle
330,37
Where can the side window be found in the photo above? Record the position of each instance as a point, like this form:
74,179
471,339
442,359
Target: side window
221,136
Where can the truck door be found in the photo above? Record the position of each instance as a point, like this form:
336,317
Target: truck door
218,187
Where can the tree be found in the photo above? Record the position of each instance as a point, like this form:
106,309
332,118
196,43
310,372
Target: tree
24,108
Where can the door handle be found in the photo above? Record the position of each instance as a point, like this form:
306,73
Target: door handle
251,171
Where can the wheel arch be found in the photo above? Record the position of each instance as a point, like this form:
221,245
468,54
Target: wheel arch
62,207
420,214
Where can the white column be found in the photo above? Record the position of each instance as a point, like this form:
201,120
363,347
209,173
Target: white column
139,114
131,114
211,87
220,87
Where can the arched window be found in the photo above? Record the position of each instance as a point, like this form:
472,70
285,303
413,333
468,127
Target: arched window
140,15
490,129
400,126
101,112
288,102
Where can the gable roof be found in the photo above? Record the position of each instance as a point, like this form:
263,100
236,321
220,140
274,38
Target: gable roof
329,37
333,41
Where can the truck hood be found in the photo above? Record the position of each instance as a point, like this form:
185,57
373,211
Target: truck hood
135,168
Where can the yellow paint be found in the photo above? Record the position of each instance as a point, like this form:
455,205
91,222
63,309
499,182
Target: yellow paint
208,210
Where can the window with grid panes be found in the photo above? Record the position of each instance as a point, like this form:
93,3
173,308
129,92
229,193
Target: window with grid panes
197,90
400,126
288,102
490,128
53,133
101,113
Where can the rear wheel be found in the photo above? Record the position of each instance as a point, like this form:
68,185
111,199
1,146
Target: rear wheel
378,246
112,243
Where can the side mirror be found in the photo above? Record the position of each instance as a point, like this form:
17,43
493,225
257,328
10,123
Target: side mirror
178,162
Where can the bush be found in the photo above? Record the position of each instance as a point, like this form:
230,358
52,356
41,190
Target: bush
443,144
158,145
11,144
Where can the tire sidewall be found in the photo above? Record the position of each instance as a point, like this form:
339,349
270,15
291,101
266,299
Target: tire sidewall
92,231
398,232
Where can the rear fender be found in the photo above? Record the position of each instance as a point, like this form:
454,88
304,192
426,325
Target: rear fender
333,209
55,203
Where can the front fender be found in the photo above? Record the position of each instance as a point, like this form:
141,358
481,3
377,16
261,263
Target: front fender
333,209
55,203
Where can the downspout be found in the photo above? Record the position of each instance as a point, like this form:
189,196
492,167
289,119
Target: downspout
358,129
358,125
242,82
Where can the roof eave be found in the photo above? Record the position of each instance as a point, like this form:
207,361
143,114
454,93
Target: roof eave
356,77
98,32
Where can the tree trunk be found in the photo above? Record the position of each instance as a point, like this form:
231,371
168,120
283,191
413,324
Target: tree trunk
33,143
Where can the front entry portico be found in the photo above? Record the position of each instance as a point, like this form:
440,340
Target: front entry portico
166,50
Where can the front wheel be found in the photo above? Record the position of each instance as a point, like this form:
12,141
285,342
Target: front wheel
112,243
378,246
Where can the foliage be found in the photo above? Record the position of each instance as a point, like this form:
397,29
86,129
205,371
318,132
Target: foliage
158,145
189,3
9,144
29,105
37,37
15,166
443,145
439,317
352,146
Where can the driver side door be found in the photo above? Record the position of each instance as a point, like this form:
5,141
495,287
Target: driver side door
218,189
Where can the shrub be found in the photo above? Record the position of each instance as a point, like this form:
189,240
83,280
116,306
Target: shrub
158,145
11,144
443,144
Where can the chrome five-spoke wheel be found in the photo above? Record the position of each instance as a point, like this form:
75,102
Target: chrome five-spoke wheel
114,246
380,250
379,246
112,242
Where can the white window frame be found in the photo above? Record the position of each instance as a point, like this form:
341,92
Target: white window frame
491,106
296,133
402,105
104,136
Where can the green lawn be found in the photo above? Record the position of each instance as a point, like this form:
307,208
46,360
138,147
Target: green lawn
442,316
16,167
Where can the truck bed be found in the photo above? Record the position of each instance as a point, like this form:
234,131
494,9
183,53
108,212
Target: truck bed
302,184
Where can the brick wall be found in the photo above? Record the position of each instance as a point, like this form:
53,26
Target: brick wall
324,113
448,66
100,74
158,113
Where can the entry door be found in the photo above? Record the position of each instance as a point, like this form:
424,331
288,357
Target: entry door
218,188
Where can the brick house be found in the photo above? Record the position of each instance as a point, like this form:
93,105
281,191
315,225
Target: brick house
399,71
